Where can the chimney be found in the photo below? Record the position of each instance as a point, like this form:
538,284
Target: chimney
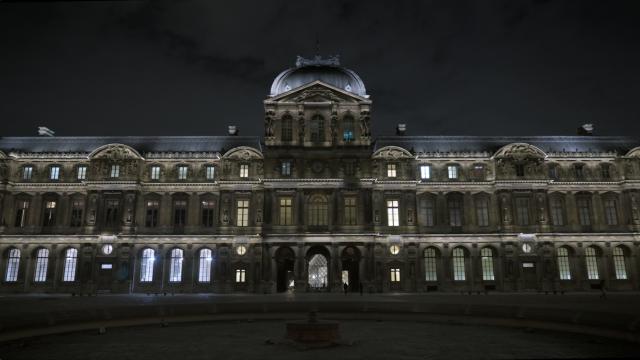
401,129
45,131
585,130
233,130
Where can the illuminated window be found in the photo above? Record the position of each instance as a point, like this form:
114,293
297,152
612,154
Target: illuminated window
350,214
458,265
155,172
452,172
49,218
522,211
482,211
13,266
286,211
175,273
285,168
394,249
204,269
27,172
619,263
455,211
430,265
592,263
82,172
425,172
210,172
241,275
584,211
21,213
391,170
347,126
393,213
244,170
54,172
611,212
182,172
318,209
287,128
207,209
395,274
151,217
486,255
243,213
70,263
557,212
42,262
563,264
77,212
146,265
179,213
115,171
318,272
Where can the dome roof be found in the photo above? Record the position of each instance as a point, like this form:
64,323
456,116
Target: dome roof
328,71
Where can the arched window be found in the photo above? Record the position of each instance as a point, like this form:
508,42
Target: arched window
42,262
317,128
204,270
13,266
175,273
459,273
564,268
318,272
318,211
430,267
619,263
70,263
486,255
146,265
287,128
591,258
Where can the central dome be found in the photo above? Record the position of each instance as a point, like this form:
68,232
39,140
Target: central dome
328,71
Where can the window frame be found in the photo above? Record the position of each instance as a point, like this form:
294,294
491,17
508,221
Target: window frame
393,212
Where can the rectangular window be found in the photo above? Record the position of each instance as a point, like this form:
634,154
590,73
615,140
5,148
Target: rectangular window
21,213
115,171
619,263
155,173
429,212
563,264
459,273
522,211
179,213
54,172
395,275
286,211
285,168
244,170
243,213
111,214
452,172
13,266
455,212
207,213
579,171
557,212
425,172
393,213
482,212
391,170
210,172
349,168
182,172
49,214
82,172
241,275
287,128
611,212
478,172
350,211
519,170
27,172
430,265
553,172
605,172
77,210
151,217
584,211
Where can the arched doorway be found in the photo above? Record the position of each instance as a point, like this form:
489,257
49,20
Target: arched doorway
318,268
351,268
285,261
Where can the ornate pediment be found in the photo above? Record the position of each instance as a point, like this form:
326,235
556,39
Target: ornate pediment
115,152
318,91
520,151
243,153
392,153
635,152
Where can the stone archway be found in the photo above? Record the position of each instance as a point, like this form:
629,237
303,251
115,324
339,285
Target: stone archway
318,276
350,258
285,265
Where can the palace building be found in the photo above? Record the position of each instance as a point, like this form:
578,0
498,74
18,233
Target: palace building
318,202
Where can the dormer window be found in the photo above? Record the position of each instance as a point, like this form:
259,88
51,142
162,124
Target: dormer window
579,171
54,173
82,172
425,172
182,172
210,172
452,172
520,170
244,170
27,172
115,171
478,172
285,168
391,170
553,172
155,172
605,172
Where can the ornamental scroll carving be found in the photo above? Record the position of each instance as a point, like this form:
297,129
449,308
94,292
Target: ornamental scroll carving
115,152
392,153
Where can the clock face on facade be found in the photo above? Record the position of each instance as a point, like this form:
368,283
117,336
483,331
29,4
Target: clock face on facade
317,167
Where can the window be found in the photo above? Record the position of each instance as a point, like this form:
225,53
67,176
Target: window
49,218
605,171
430,264
478,172
452,172
553,172
584,211
395,274
429,211
486,255
155,172
619,263
482,211
244,170
151,217
13,266
204,269
318,209
522,211
287,128
21,213
393,213
82,172
318,272
286,211
182,172
455,211
27,172
458,265
520,170
611,212
115,171
578,170
111,215
592,263
77,211
285,168
563,264
70,263
391,170
317,129
425,172
243,213
350,214
42,262
207,213
54,172
175,271
557,212
347,126
179,213
146,265
241,275
210,172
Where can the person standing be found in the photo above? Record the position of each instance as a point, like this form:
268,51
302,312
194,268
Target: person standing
345,287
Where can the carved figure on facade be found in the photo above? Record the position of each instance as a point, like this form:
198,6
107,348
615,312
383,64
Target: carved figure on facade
519,152
301,125
115,152
542,218
317,95
506,211
364,123
268,123
635,209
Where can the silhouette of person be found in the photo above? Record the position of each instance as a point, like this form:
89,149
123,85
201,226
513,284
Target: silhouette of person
345,287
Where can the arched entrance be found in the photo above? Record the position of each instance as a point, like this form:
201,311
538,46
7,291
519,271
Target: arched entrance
318,268
351,267
285,262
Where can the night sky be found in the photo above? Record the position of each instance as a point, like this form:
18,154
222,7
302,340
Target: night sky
442,67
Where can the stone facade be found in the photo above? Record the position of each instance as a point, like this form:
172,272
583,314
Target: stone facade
316,203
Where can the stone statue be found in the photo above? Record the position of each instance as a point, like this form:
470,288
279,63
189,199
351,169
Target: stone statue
268,125
506,216
634,209
541,211
364,123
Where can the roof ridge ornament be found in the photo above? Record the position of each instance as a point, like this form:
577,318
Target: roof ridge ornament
318,61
